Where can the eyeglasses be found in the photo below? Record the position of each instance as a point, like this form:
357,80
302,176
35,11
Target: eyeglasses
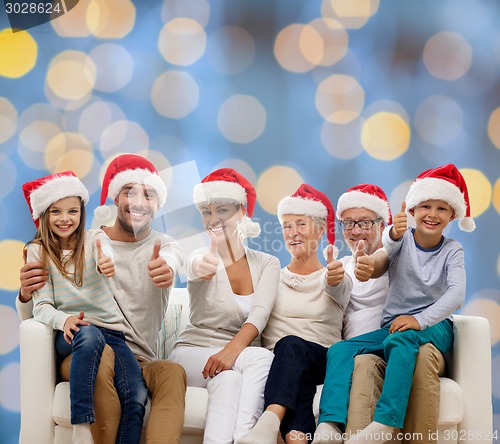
362,224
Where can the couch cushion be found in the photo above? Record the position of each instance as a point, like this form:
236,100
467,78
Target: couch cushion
451,406
195,412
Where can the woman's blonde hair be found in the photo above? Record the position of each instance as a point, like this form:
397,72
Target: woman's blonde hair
51,249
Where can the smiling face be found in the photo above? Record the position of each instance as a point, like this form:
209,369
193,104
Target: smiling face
301,235
137,205
432,217
221,219
64,219
372,237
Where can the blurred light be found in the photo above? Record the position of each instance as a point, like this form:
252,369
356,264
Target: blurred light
8,120
484,304
69,151
111,19
75,23
182,41
494,127
498,265
198,10
288,52
334,41
231,50
175,94
107,57
311,45
274,184
439,120
447,55
123,136
161,163
385,136
96,117
11,261
18,53
9,322
239,165
33,140
471,18
342,140
339,99
480,190
496,196
9,387
8,173
71,75
353,14
241,119
64,103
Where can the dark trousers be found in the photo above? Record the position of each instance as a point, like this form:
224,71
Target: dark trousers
298,367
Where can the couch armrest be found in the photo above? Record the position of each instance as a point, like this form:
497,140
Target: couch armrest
38,379
470,367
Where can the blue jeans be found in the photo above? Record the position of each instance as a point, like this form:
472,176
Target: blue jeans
399,350
86,349
298,367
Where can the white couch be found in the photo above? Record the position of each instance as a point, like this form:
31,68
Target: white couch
466,399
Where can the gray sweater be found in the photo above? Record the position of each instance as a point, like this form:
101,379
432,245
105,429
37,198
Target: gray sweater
215,316
428,284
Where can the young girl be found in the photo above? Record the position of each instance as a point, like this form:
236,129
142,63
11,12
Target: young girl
78,302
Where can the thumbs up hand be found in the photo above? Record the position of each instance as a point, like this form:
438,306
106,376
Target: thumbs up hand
206,267
104,263
365,264
334,268
158,269
399,224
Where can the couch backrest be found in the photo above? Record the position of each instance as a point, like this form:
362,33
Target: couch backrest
180,296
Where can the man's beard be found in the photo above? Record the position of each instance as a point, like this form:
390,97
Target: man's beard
131,229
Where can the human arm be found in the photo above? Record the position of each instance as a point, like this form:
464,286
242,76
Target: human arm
453,296
103,253
32,277
370,266
224,359
166,260
335,281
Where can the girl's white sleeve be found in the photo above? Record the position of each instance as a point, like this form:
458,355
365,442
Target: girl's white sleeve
44,309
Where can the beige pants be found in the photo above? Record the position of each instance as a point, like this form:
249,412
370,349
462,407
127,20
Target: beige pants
166,382
423,406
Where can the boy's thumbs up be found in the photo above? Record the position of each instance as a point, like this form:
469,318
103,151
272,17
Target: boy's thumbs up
399,224
156,250
403,207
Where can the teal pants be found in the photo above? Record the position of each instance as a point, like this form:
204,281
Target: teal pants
399,350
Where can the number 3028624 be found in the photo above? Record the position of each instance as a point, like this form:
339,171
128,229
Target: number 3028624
33,8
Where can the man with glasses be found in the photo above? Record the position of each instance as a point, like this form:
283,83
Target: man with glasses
363,212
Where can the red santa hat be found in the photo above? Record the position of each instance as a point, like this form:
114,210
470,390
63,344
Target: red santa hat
310,202
125,169
228,184
42,193
443,183
367,196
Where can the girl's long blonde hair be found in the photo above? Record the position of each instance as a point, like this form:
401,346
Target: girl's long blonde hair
51,248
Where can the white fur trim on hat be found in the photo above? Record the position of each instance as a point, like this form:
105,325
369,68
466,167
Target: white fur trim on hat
140,176
431,188
248,227
55,189
298,205
219,189
358,199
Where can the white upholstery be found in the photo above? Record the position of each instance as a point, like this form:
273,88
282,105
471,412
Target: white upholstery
465,410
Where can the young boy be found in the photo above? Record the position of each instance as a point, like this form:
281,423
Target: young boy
427,284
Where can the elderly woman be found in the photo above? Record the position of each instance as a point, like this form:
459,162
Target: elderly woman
232,291
305,321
